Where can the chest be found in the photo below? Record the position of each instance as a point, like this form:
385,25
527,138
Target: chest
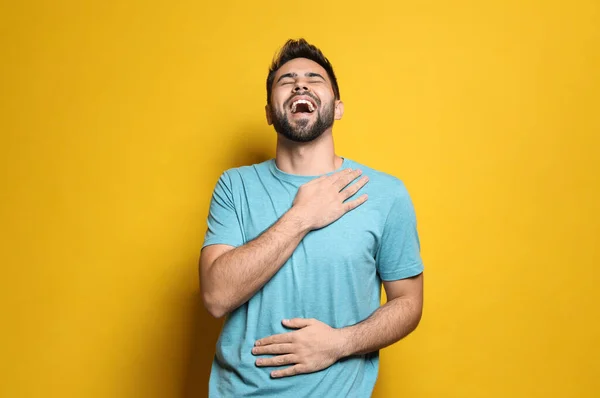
353,237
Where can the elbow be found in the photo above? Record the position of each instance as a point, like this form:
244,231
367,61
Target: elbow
212,302
214,306
418,318
413,314
418,315
216,312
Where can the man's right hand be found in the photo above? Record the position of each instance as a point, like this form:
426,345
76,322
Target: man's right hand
230,276
322,200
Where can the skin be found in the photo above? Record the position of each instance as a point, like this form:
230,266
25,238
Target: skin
311,345
318,156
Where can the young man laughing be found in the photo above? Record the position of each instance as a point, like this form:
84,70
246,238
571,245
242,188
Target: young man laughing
297,249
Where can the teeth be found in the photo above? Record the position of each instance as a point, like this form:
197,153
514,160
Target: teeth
310,105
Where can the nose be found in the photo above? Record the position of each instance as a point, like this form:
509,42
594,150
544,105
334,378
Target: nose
300,87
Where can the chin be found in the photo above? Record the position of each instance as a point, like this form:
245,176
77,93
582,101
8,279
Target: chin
304,138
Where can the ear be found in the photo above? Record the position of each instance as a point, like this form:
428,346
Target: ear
339,109
268,114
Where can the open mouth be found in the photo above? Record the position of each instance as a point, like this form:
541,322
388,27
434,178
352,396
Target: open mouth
302,106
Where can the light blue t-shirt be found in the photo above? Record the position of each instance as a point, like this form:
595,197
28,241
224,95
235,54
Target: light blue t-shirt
334,276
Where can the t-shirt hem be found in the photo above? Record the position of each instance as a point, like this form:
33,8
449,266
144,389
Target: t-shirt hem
403,273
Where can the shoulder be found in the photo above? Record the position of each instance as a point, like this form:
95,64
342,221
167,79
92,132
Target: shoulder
389,195
237,175
382,182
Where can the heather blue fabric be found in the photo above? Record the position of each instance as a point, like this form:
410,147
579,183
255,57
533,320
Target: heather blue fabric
334,276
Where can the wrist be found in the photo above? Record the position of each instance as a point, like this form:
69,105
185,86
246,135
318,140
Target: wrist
297,218
344,342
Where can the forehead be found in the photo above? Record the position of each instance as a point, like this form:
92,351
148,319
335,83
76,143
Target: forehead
301,66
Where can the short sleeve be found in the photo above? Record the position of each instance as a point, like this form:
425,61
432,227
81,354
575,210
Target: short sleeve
223,222
398,256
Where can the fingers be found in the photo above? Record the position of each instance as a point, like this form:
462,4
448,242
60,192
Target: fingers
279,360
344,178
353,204
297,323
351,190
275,339
291,371
273,349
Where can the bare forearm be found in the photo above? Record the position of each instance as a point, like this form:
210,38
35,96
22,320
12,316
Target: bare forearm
390,323
238,274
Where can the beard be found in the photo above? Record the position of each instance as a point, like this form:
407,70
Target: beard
303,130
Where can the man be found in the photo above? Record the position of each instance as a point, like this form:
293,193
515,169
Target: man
295,253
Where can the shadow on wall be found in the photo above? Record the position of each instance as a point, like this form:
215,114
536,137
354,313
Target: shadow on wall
250,149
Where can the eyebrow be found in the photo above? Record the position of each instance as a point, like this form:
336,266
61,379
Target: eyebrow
312,74
293,75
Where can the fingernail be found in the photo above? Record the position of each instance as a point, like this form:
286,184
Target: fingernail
257,343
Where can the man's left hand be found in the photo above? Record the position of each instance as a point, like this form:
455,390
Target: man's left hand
313,347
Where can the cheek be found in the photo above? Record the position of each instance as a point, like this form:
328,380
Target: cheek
278,101
281,92
325,96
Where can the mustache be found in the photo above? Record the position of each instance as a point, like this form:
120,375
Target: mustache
303,94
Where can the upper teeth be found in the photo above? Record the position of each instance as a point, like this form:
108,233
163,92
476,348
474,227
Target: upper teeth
301,101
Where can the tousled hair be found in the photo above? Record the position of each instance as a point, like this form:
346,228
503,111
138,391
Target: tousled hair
300,48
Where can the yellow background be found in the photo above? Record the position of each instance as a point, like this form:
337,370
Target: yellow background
118,117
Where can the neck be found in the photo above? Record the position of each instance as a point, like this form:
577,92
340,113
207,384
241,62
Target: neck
311,158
